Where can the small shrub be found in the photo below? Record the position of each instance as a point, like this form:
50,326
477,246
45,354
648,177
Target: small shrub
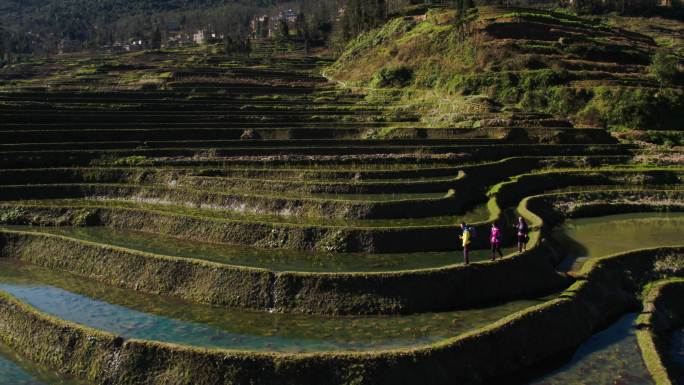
664,67
333,241
83,217
591,115
532,80
398,77
669,265
136,160
11,215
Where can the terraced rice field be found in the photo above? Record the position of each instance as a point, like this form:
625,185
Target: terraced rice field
254,223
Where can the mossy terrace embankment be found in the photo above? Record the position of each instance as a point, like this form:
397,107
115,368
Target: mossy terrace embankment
328,293
256,155
662,314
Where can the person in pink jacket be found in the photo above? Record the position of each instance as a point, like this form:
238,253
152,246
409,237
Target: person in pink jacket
495,240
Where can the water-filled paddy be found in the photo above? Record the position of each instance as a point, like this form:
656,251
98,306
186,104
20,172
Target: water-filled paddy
584,238
274,259
136,315
609,357
15,370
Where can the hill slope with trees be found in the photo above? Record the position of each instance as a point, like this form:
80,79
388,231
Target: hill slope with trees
610,71
38,26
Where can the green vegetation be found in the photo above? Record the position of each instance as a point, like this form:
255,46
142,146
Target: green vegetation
664,67
133,161
525,61
662,315
392,77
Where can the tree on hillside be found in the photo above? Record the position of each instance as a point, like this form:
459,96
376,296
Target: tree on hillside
247,47
664,67
301,26
95,24
237,46
282,29
362,15
3,54
464,5
156,39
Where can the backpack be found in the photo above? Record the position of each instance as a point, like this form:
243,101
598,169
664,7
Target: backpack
472,231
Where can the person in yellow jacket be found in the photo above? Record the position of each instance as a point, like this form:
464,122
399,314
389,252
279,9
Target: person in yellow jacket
465,238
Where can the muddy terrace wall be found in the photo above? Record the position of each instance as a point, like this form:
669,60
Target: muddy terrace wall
288,130
280,131
606,289
309,236
588,203
279,179
178,132
162,175
662,314
468,181
469,189
555,207
237,177
508,193
244,203
349,186
403,292
254,233
123,142
19,159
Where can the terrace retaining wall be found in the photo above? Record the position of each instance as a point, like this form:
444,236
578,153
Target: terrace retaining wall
663,313
411,291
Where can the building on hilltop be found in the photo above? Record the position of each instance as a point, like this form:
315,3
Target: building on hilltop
261,27
206,36
289,16
68,45
265,26
198,37
174,36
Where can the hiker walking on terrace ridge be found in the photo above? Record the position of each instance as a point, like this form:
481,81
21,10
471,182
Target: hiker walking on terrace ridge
523,234
495,240
465,239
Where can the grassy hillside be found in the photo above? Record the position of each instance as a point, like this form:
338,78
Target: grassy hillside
595,71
